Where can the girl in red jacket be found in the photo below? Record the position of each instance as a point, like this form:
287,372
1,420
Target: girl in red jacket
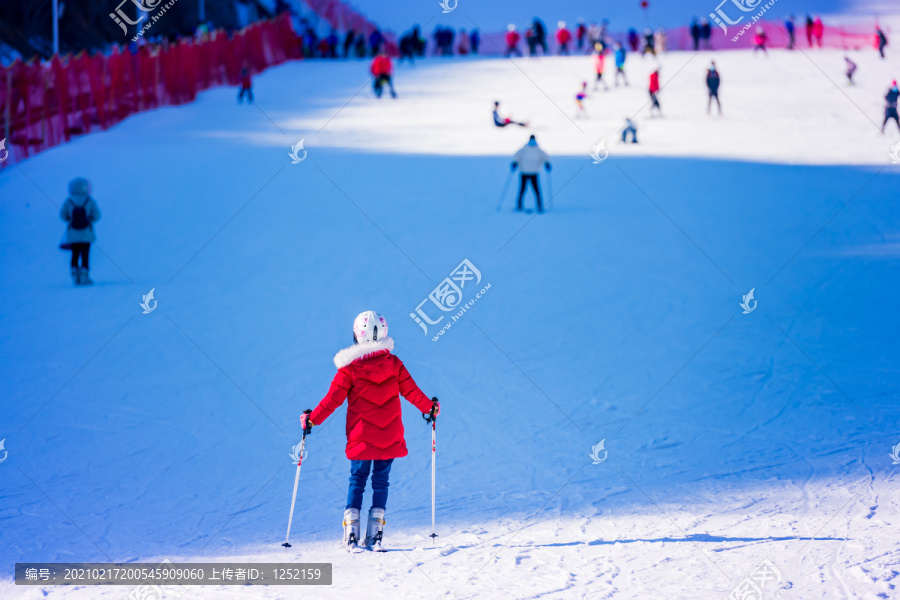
373,379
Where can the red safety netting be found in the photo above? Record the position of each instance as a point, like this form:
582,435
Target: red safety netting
45,104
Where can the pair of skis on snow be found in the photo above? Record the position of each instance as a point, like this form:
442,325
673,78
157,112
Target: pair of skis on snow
298,453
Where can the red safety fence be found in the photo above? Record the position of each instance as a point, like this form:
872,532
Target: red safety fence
45,104
849,37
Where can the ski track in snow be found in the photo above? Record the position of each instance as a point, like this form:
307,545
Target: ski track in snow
593,329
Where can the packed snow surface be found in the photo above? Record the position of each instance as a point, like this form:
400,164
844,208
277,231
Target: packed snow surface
728,438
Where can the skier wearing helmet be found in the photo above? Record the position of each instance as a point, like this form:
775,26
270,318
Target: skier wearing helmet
372,380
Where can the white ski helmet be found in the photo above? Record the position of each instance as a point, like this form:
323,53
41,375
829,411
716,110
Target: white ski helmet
369,326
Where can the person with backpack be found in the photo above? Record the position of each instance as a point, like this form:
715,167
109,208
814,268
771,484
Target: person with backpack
80,211
372,380
529,160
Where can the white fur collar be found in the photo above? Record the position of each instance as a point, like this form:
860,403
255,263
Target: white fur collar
357,351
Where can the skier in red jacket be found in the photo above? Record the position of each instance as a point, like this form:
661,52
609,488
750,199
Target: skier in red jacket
512,41
654,90
383,70
563,37
372,379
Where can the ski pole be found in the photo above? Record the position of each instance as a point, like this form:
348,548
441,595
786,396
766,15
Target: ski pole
297,454
549,189
505,189
432,418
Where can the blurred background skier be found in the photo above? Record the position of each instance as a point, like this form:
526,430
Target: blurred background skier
654,92
649,43
695,33
579,100
580,35
372,380
599,65
851,69
80,211
512,41
880,40
246,87
620,63
890,109
791,28
713,80
760,40
563,38
529,160
631,129
383,71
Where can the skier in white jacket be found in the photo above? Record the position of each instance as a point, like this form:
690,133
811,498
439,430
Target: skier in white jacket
529,161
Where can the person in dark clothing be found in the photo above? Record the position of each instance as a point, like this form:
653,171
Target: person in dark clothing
359,47
713,80
375,41
629,129
475,40
348,43
540,31
881,39
791,31
851,69
246,87
706,34
649,43
809,30
634,41
890,109
695,33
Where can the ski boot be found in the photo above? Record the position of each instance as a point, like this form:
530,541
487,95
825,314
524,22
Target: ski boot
84,278
76,275
351,530
374,529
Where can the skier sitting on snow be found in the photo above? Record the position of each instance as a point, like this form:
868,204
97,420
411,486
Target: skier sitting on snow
372,379
529,160
890,109
504,122
630,128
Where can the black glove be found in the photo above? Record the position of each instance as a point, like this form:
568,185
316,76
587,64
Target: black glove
305,421
548,166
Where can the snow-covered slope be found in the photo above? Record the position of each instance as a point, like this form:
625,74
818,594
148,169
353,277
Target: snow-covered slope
731,438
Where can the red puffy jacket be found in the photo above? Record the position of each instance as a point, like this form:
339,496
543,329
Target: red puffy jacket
373,379
382,66
512,39
563,36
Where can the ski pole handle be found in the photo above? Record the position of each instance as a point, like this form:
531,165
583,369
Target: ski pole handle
309,424
431,417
